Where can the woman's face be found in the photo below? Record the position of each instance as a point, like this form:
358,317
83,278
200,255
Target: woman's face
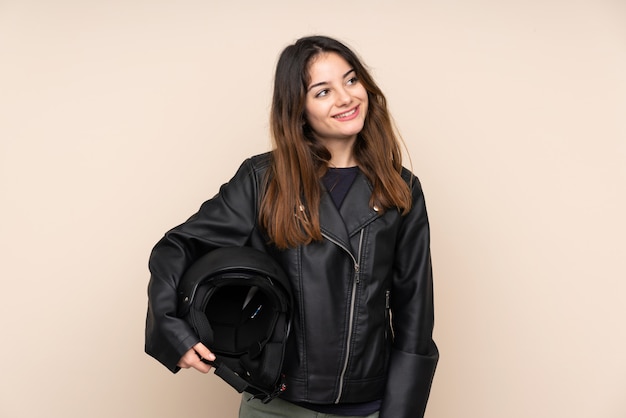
336,101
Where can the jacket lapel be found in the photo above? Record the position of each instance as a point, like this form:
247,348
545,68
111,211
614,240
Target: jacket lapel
355,209
354,214
331,222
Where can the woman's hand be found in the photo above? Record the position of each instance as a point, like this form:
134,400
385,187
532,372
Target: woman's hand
193,358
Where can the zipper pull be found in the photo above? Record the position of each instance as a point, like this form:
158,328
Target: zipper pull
356,273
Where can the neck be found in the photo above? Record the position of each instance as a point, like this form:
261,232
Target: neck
341,153
342,162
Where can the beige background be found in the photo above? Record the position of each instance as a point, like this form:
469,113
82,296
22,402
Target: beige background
118,118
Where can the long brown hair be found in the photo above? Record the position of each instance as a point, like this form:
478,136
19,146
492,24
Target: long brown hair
289,209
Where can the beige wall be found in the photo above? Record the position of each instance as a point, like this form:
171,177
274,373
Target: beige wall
118,118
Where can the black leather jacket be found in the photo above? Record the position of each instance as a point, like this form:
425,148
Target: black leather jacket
369,271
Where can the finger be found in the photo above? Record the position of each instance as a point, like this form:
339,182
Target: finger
203,352
200,366
187,358
191,359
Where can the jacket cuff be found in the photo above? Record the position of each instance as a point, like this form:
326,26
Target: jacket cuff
408,384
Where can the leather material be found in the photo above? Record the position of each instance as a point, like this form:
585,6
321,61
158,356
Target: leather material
342,347
407,397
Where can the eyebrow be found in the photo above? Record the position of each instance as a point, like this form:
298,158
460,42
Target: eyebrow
321,83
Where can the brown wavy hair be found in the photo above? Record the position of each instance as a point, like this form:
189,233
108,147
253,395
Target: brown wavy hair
289,211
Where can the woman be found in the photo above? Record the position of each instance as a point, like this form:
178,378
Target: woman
334,206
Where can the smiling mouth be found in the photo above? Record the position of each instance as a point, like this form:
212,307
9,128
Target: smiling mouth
350,114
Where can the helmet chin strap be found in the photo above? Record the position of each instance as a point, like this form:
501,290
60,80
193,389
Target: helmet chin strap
241,385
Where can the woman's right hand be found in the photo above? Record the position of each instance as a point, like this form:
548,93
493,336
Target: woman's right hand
193,358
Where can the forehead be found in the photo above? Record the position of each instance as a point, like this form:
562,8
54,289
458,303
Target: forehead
327,64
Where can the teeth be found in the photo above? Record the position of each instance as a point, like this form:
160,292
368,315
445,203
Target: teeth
343,115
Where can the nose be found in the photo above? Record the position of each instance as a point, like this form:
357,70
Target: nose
343,97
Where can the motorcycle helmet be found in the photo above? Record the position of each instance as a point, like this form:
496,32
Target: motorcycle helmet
238,301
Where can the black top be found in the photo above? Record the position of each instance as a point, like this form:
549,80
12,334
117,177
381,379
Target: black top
338,182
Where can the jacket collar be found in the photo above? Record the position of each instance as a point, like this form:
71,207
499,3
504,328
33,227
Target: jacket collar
354,214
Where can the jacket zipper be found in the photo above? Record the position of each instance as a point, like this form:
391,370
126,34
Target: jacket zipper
357,280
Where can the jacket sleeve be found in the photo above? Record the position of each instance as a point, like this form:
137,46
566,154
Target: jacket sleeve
414,355
228,219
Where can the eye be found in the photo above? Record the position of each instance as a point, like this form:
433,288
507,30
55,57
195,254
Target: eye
352,80
321,93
